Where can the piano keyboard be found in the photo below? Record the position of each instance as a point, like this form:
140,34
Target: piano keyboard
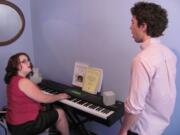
85,106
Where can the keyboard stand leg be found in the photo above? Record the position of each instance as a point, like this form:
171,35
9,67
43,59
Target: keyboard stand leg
75,121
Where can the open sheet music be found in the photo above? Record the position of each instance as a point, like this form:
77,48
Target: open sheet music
92,80
88,78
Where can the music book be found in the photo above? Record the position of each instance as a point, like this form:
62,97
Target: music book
79,72
92,80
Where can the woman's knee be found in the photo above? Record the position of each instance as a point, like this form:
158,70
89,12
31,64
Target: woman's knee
61,113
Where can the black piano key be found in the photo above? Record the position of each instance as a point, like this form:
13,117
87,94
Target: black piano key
100,108
96,107
92,106
106,111
75,100
71,98
84,103
87,104
81,102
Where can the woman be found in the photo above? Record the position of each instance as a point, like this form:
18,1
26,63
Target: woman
24,114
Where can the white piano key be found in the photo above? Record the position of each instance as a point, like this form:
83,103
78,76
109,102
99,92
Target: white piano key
86,109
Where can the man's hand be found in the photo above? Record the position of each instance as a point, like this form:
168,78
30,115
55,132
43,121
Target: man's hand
128,120
122,132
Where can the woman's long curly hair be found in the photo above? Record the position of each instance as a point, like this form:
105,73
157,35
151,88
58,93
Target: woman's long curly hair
12,66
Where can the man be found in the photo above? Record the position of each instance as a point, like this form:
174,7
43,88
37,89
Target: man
152,92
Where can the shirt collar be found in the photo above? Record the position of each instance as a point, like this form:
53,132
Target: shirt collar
148,42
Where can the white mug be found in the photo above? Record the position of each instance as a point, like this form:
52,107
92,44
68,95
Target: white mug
108,98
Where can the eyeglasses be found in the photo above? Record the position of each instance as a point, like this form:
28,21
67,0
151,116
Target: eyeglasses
25,62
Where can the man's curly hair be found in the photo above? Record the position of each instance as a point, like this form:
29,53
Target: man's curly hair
153,15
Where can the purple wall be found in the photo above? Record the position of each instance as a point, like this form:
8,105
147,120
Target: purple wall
97,33
24,43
